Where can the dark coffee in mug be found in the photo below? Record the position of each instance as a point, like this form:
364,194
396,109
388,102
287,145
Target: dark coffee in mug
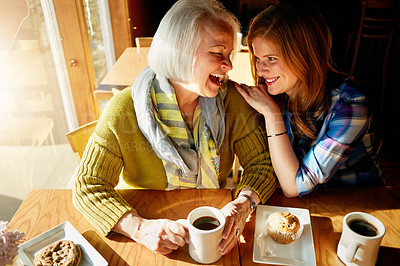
206,223
362,227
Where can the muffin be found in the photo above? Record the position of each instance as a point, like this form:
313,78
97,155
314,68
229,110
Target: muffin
283,227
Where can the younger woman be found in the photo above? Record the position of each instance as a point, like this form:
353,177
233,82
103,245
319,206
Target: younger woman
317,119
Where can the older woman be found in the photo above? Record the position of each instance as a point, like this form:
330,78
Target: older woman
179,126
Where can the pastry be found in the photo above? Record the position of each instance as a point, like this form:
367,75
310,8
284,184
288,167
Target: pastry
283,227
62,252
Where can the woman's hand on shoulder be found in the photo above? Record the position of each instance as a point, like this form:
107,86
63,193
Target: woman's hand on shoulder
159,235
258,97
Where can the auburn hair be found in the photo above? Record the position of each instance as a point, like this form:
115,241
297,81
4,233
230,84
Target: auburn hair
304,42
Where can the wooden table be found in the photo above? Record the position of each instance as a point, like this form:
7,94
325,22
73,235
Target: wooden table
133,60
327,208
44,209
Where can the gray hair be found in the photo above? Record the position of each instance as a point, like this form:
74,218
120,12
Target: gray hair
173,49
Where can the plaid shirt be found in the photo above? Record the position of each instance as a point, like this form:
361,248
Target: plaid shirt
342,151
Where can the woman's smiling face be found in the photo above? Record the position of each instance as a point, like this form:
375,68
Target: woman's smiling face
212,61
271,66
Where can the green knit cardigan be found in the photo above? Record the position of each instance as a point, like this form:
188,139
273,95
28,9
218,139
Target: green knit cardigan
118,150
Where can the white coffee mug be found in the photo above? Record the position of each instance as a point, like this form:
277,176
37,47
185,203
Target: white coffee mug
359,243
203,243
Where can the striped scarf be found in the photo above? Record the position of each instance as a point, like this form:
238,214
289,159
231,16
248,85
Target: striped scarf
190,161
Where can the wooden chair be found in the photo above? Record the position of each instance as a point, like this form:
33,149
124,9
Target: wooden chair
102,95
79,137
375,32
143,41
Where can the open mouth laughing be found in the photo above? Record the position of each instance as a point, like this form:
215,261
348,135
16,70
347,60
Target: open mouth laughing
217,79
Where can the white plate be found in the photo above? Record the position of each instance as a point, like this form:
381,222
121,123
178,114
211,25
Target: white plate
64,231
266,250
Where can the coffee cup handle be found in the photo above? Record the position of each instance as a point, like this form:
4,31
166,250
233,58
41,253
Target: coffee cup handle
185,224
351,250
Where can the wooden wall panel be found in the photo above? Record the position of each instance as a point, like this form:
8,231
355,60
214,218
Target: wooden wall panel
121,25
146,15
76,46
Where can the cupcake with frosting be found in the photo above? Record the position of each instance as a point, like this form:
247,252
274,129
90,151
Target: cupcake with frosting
283,227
